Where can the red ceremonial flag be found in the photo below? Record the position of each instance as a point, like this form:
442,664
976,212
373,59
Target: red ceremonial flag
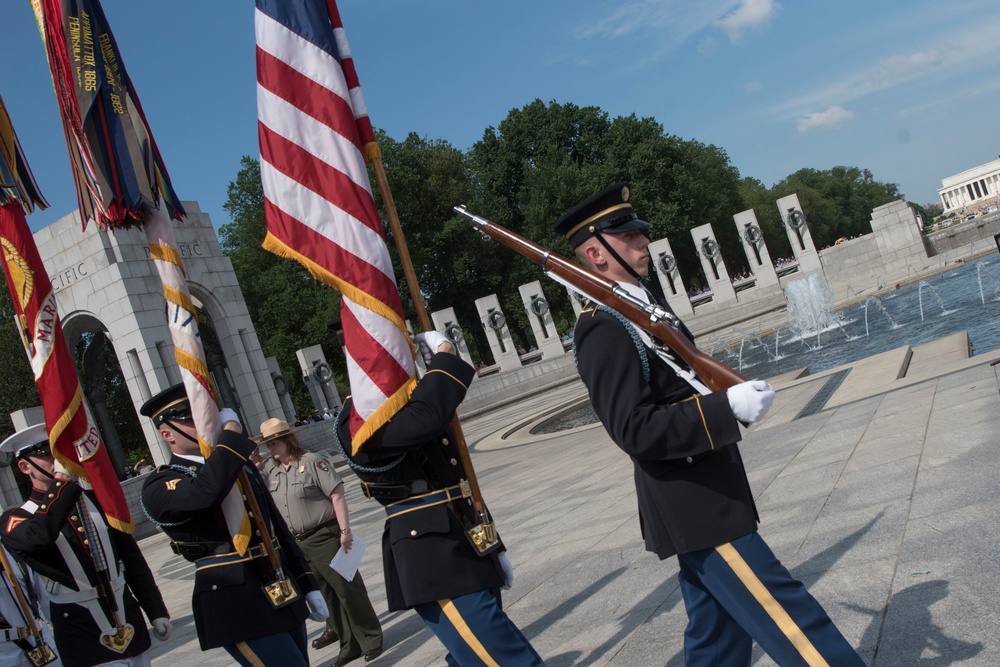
315,137
75,442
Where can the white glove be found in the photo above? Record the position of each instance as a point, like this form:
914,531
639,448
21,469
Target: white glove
508,570
429,342
162,628
751,400
317,606
58,467
229,415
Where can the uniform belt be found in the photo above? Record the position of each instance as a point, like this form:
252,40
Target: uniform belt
423,501
256,551
394,491
15,634
306,534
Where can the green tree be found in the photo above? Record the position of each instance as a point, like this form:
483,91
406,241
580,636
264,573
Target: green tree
840,200
290,309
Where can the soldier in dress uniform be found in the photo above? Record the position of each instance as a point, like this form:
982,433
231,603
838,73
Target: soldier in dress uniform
25,638
694,497
310,496
412,467
184,498
52,533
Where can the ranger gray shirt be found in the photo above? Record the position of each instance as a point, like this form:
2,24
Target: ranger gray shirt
302,490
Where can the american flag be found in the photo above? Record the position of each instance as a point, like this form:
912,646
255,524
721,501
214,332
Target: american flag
315,137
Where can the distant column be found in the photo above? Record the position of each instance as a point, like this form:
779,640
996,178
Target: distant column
794,221
446,322
709,252
536,306
665,266
497,333
755,248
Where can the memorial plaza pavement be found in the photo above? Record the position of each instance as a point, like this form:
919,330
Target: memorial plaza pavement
876,485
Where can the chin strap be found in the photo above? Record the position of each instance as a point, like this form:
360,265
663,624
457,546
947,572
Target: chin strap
618,258
38,468
179,432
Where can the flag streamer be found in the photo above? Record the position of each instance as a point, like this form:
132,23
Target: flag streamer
122,181
315,138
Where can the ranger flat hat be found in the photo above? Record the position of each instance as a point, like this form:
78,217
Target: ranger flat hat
169,405
275,428
607,212
32,440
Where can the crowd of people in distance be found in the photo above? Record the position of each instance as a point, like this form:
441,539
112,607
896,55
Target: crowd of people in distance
326,415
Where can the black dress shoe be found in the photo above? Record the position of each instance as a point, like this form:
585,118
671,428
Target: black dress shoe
372,654
325,639
338,661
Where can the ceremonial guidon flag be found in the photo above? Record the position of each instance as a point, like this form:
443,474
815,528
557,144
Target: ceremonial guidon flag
121,180
73,439
117,167
315,138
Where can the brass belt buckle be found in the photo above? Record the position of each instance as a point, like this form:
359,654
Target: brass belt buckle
483,537
281,592
40,655
119,640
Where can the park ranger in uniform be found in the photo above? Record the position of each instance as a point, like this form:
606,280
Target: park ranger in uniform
310,496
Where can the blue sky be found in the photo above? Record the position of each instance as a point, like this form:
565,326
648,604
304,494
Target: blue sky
907,89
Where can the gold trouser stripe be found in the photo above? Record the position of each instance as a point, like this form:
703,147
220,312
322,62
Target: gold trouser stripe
463,630
248,653
771,606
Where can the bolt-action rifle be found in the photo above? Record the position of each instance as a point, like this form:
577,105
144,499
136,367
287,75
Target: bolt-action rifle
651,318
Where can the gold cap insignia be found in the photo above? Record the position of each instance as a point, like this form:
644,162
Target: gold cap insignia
625,193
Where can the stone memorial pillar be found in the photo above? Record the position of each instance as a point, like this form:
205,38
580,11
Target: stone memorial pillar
107,283
576,300
709,252
281,389
318,377
497,333
755,248
544,329
446,322
794,222
665,266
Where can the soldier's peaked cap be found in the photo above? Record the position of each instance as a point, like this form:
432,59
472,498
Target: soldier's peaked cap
607,212
28,441
170,404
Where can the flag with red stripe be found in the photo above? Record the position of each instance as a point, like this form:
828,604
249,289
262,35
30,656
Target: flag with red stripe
74,440
315,137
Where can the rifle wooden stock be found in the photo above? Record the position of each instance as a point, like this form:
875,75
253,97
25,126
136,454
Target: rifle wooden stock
715,374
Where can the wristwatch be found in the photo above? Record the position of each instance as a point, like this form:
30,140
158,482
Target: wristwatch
345,531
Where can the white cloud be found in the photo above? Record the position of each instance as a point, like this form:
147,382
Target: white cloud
749,14
831,119
950,57
674,21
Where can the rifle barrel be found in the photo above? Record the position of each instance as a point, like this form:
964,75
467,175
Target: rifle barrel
652,319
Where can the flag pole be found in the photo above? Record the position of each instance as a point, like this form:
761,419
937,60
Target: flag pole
484,536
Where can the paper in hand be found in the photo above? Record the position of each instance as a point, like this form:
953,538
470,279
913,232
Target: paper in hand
346,563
